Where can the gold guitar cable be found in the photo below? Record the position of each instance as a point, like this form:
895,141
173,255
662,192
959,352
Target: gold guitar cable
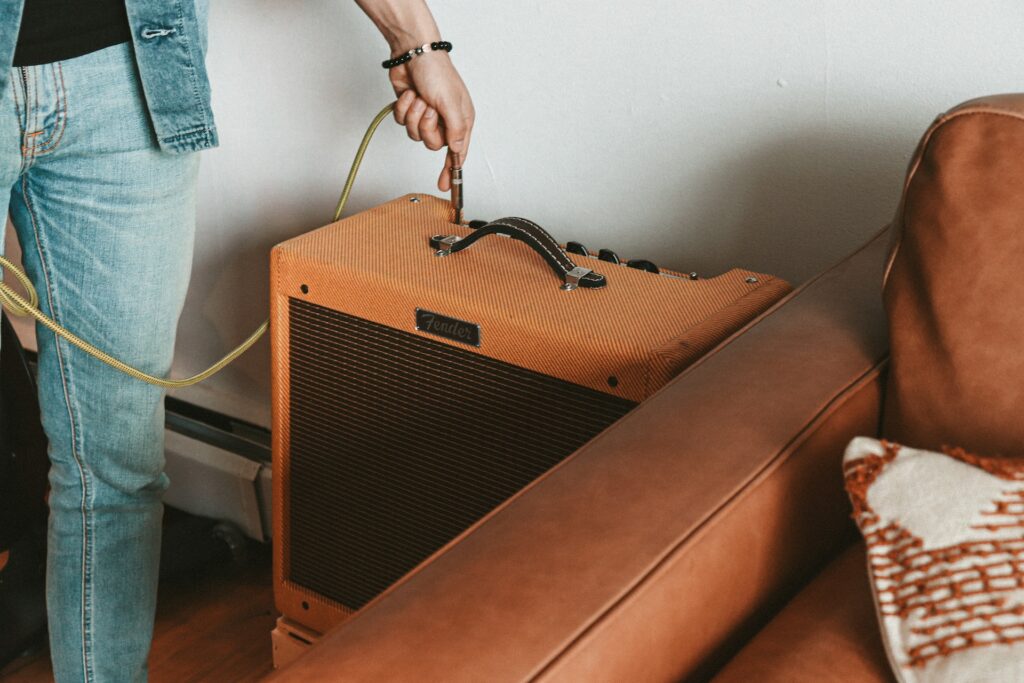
28,305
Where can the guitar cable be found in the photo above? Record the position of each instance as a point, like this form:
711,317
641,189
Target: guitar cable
28,305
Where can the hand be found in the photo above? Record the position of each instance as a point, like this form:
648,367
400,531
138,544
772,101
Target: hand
435,107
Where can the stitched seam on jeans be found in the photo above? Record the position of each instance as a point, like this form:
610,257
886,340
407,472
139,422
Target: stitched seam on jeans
21,126
61,110
30,78
17,107
62,115
31,113
75,448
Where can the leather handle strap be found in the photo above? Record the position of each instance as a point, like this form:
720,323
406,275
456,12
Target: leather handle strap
537,238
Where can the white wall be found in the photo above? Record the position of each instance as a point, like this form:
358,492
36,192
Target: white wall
704,135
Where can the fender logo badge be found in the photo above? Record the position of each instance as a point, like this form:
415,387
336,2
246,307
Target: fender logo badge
449,328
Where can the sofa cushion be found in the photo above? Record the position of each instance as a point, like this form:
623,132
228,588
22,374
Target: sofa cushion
828,633
953,289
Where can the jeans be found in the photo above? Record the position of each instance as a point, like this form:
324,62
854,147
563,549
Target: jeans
105,221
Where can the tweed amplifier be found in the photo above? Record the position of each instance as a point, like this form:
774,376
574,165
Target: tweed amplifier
413,394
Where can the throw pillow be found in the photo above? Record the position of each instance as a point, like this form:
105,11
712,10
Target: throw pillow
945,547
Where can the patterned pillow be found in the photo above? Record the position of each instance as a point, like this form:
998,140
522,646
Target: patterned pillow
945,544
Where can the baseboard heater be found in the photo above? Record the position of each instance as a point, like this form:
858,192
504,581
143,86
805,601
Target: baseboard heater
219,467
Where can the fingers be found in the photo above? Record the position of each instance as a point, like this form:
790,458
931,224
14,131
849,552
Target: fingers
412,118
405,101
448,122
430,130
458,125
451,160
457,133
420,120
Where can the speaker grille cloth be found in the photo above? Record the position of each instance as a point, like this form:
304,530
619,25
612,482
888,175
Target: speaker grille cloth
399,443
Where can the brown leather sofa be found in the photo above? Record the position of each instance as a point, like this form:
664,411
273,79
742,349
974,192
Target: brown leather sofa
706,535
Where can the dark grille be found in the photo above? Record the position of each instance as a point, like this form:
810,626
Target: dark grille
399,443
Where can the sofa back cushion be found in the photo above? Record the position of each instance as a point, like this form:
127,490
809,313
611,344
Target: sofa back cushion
954,285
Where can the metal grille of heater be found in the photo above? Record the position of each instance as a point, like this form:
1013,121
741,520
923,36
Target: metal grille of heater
399,443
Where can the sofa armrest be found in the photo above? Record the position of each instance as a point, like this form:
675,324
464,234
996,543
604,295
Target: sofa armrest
651,550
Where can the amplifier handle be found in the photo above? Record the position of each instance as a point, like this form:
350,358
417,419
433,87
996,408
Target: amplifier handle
537,238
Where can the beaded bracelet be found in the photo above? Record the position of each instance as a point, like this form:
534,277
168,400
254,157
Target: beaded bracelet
416,52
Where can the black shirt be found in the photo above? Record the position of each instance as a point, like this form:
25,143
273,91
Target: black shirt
52,30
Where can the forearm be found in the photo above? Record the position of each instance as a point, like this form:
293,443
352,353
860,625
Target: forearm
404,24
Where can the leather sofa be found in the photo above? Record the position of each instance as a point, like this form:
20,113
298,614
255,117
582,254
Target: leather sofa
706,535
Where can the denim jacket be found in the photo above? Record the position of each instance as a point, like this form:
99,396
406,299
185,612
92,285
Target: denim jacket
170,48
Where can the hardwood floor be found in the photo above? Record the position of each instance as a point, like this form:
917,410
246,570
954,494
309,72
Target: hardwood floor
214,627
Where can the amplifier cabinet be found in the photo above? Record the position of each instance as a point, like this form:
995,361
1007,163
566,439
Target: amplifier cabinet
412,395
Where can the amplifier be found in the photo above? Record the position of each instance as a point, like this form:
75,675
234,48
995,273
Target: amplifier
419,383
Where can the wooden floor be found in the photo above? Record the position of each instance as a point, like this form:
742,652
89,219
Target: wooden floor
213,627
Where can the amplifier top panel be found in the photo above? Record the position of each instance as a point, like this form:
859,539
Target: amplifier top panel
499,298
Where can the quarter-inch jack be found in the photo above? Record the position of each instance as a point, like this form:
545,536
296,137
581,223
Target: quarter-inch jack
457,200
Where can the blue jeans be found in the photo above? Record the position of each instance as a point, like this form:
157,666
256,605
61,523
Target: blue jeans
105,221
